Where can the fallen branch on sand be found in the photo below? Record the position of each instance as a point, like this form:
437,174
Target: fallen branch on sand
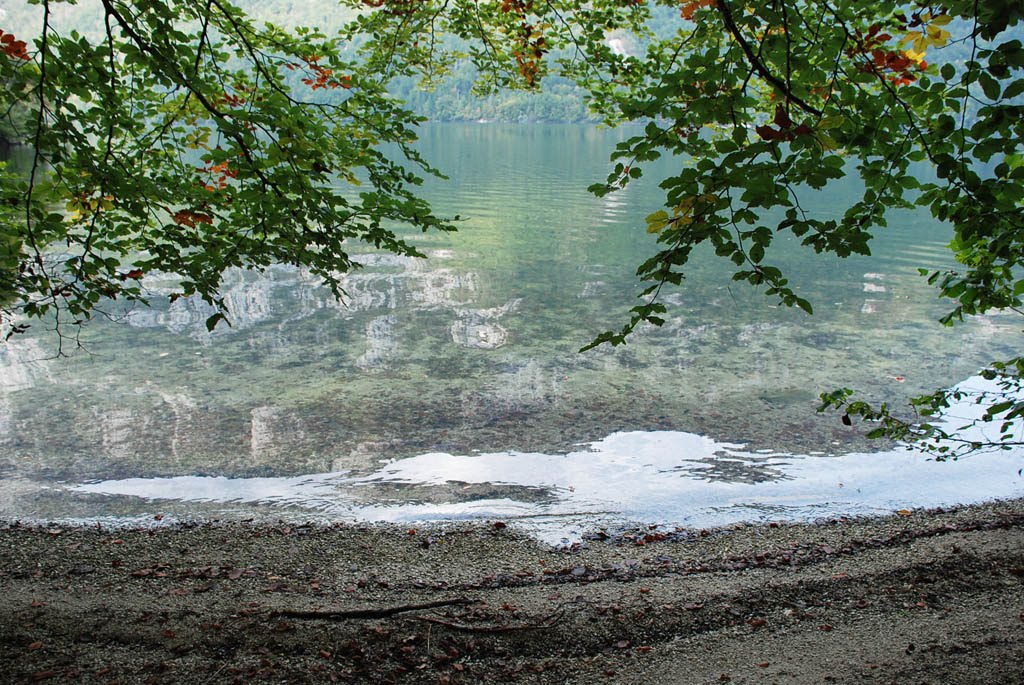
548,622
385,612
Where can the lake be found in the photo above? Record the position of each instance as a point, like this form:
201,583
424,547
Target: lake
451,387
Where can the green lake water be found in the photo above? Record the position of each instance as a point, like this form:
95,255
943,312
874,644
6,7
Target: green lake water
474,350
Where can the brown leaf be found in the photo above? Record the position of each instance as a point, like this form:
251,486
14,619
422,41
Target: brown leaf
826,628
782,119
35,645
768,133
36,604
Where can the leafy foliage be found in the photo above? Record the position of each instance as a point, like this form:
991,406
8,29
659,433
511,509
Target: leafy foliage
189,139
760,102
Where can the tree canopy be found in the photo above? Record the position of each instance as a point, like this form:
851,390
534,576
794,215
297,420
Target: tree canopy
184,138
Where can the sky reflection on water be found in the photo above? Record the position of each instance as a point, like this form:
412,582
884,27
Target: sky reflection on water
664,477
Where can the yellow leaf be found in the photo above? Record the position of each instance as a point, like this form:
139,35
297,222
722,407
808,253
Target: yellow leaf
912,55
937,37
911,35
685,205
657,221
942,20
826,141
831,121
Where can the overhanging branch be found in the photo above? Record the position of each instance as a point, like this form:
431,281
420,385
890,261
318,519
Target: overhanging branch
758,65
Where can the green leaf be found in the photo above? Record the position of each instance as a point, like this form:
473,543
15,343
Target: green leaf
212,321
989,86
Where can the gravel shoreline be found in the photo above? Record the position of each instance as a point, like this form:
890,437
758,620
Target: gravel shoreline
922,596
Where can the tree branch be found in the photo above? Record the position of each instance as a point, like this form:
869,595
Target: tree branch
385,612
758,65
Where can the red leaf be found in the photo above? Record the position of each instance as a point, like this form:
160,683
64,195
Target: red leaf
769,133
782,119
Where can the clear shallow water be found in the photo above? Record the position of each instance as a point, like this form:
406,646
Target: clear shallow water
672,478
473,353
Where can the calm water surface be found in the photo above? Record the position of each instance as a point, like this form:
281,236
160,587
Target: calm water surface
451,387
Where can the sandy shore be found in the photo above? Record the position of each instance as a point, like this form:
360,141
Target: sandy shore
918,597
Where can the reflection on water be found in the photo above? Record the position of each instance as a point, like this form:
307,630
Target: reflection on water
473,352
666,477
